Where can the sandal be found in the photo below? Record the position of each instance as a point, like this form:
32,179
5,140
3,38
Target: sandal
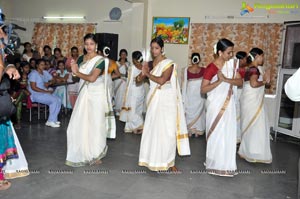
4,185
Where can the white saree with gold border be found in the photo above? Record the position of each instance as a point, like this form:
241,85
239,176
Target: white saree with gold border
194,104
133,104
238,114
88,127
120,87
165,125
221,144
255,145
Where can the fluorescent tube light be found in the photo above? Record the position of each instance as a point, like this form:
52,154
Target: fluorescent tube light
58,17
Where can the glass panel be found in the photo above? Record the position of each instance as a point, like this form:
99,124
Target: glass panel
287,108
291,58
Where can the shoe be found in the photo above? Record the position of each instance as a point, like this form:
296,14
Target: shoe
57,122
52,124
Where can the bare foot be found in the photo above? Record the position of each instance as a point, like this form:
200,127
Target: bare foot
4,185
174,169
97,162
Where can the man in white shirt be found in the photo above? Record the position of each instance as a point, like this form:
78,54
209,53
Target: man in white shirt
292,90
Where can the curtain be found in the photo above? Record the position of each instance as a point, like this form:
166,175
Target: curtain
268,37
60,35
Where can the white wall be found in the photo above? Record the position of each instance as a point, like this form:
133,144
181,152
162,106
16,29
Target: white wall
25,13
6,7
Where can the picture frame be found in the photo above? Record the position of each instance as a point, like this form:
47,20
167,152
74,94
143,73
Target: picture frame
173,30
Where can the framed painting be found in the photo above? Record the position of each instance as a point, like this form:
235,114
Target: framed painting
173,30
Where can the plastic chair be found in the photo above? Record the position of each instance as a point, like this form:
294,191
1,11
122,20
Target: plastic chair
37,105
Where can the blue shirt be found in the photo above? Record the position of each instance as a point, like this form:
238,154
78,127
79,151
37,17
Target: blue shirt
39,79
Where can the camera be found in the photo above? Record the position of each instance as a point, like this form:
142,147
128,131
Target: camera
12,40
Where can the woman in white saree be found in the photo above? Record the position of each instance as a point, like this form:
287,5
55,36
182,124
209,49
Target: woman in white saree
242,58
193,100
165,126
255,145
120,83
88,127
219,81
133,104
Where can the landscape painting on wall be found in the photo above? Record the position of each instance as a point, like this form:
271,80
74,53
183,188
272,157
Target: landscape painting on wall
173,30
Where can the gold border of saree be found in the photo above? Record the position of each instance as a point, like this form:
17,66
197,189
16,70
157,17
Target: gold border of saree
255,160
16,174
170,164
254,117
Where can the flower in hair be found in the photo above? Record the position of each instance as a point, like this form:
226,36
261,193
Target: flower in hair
251,56
215,49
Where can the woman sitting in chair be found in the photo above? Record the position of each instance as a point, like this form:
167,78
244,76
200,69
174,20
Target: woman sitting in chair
39,80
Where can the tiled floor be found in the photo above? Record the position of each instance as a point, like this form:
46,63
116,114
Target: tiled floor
120,177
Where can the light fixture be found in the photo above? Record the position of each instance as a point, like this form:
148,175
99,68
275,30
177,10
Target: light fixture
60,17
